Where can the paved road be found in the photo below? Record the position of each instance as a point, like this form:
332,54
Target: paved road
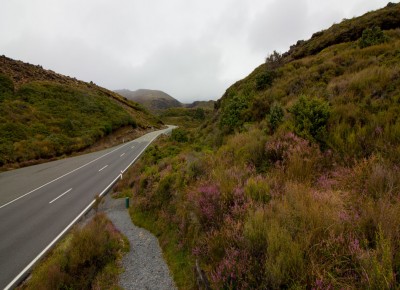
39,203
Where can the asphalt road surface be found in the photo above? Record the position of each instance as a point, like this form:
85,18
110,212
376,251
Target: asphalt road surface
38,204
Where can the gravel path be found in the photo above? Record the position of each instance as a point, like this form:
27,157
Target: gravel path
144,265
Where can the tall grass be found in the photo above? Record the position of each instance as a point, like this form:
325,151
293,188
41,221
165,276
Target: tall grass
86,259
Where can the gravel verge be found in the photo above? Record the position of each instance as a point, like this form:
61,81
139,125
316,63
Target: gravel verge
144,265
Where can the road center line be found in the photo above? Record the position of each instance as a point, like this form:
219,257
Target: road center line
60,195
122,154
68,173
103,168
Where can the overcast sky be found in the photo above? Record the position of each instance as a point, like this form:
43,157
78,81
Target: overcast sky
191,49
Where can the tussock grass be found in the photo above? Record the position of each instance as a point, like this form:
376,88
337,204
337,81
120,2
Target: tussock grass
85,259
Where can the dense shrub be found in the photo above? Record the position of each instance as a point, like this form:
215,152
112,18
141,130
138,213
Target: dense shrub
372,36
6,86
275,118
179,135
310,117
232,116
265,79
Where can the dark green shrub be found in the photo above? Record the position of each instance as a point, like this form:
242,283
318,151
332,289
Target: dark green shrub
372,36
199,114
275,117
265,79
6,85
179,135
232,116
310,117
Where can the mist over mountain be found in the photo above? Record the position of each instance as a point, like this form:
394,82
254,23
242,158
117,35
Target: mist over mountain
151,99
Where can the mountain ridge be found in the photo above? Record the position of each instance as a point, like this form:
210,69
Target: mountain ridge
151,99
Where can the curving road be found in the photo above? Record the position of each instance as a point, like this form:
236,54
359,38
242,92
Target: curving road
38,204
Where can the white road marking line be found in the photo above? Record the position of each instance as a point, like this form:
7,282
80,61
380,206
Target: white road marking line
14,200
60,195
137,156
103,168
133,147
122,154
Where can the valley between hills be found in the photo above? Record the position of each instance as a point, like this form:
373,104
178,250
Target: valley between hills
290,180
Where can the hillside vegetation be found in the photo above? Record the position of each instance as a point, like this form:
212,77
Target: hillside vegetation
44,114
294,183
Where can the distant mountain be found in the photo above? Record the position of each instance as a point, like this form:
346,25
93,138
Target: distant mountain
151,99
208,105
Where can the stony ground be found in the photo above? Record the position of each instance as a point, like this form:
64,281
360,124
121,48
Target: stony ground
144,265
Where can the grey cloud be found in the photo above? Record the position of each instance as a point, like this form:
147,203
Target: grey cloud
179,69
191,49
278,25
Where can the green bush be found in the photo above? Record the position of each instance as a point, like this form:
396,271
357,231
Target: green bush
199,114
372,36
275,117
6,85
310,117
265,79
232,116
179,135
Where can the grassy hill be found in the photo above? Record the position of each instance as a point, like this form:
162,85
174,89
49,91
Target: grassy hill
151,99
44,114
294,182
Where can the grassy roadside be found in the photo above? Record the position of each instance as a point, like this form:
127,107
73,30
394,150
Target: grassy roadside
178,259
87,258
157,220
123,134
176,254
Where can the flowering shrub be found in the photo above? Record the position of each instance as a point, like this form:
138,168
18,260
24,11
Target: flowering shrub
296,156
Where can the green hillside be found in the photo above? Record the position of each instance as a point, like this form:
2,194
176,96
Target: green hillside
44,115
294,183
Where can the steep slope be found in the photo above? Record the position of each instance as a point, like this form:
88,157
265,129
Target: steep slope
301,189
44,114
151,99
359,83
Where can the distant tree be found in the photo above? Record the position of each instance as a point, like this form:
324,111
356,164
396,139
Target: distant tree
372,36
272,62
